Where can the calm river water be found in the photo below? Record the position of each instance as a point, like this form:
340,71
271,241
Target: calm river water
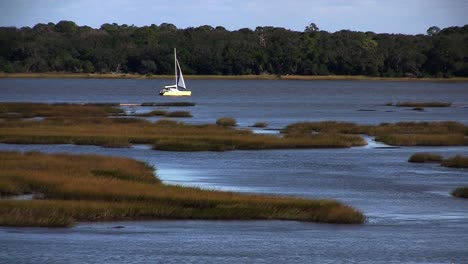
411,216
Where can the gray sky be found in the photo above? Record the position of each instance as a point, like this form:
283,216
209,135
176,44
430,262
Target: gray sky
398,16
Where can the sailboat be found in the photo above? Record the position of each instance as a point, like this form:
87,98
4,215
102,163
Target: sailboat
179,88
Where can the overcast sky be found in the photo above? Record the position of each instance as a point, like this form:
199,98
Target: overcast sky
397,16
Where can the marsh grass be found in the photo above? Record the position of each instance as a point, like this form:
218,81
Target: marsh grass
461,192
425,157
310,128
226,121
29,110
97,188
400,134
456,162
163,135
92,126
423,104
424,139
260,124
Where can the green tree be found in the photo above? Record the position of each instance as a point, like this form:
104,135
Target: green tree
311,28
68,27
432,31
215,50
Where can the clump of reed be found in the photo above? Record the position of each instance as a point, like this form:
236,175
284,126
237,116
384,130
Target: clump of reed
455,162
423,157
179,114
260,124
461,192
226,121
98,188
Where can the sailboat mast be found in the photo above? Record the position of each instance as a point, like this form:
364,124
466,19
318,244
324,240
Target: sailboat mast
175,67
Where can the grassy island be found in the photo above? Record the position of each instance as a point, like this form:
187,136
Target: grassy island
97,125
77,188
179,114
93,126
452,162
446,133
226,121
456,162
425,157
260,124
461,192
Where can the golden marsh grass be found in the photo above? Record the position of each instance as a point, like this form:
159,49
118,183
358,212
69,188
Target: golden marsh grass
97,188
461,192
446,133
260,124
28,110
226,121
164,113
89,128
456,162
423,157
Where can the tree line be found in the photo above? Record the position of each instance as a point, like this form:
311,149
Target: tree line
67,47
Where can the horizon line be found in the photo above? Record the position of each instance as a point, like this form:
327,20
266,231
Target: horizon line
214,27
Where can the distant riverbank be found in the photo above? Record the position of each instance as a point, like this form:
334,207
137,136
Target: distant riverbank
229,77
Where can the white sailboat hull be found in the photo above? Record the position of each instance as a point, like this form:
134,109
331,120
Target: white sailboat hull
175,92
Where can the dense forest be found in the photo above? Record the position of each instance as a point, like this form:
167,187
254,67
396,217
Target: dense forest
67,47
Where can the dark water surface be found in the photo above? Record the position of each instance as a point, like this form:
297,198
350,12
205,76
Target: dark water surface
411,216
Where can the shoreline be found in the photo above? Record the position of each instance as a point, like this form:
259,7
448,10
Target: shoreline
54,75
